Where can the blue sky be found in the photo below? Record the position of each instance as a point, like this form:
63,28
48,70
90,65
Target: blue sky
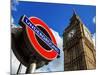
56,16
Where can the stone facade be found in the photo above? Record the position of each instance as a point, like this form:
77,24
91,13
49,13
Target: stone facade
78,47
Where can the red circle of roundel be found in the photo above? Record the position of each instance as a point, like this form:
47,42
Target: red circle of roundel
48,55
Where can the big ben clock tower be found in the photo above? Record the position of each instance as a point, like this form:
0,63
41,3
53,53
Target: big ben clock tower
78,47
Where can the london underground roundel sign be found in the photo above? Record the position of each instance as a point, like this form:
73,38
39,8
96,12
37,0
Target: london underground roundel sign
38,30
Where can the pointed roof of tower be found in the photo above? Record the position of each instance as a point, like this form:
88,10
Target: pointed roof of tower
75,16
74,12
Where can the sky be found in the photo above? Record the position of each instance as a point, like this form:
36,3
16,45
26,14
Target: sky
57,17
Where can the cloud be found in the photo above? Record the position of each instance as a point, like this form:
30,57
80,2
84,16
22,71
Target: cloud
13,25
14,3
15,64
12,20
57,64
94,38
59,39
94,19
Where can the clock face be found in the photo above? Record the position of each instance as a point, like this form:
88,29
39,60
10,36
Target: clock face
71,33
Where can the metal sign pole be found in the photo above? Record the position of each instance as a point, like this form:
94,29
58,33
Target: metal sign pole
19,68
31,68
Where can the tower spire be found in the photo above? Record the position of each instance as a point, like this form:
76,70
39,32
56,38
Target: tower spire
74,16
74,12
